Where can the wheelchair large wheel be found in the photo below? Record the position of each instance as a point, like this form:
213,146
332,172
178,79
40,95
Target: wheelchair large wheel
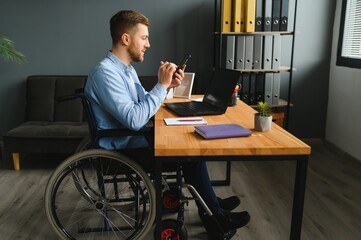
84,145
99,194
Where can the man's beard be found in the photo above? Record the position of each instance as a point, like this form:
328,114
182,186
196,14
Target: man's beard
134,55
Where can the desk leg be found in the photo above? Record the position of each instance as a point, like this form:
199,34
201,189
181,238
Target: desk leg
227,181
298,198
158,191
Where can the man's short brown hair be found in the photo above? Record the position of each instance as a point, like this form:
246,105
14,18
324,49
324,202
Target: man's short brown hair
125,21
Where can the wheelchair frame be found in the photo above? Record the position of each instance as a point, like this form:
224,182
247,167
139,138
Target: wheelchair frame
102,194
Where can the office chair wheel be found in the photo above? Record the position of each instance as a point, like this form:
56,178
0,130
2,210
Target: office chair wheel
99,194
173,230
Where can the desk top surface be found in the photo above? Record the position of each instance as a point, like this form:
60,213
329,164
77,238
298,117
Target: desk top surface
183,141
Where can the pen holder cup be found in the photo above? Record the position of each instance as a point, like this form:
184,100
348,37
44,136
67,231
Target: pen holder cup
234,100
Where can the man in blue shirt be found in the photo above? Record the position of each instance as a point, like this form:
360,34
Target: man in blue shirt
119,101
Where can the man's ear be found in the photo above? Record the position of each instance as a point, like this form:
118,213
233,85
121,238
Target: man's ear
125,38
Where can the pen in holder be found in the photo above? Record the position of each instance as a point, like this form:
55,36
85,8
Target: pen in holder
234,97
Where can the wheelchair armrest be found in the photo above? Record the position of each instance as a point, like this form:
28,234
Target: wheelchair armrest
78,93
150,124
125,132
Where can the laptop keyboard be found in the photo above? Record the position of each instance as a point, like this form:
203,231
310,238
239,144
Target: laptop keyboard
194,106
192,109
197,107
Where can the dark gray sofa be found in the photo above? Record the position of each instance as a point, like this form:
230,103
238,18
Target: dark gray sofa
50,125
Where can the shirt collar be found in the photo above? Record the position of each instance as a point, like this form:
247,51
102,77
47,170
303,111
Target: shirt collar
126,68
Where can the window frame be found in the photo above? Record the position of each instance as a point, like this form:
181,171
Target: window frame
341,60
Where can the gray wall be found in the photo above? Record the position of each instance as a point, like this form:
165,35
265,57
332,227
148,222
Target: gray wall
71,36
343,127
312,62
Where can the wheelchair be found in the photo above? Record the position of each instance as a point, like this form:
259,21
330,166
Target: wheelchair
102,194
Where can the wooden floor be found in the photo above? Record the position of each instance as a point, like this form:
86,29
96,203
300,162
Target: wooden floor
332,203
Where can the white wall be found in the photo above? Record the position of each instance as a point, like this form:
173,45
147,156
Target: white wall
343,127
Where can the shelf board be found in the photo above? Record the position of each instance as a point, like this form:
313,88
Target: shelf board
281,103
255,33
280,69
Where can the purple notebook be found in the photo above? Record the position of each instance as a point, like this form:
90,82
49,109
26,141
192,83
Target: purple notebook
222,131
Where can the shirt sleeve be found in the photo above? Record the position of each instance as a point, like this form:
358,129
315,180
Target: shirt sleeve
110,90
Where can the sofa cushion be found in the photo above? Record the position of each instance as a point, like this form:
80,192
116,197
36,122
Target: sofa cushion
70,111
40,97
45,137
39,129
43,99
51,125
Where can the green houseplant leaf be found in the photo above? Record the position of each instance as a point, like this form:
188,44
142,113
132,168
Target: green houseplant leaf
264,109
263,118
8,51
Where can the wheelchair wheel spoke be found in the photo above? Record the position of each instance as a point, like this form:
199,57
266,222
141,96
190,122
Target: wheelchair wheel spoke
98,194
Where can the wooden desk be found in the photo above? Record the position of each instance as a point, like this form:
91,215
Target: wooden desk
277,144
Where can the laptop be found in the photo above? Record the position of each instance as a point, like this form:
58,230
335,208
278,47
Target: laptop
216,98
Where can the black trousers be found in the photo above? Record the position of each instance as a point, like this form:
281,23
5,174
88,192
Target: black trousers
194,170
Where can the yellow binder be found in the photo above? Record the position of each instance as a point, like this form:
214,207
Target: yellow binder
236,15
227,15
242,6
250,15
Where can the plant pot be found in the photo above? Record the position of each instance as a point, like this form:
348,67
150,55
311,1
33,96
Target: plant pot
261,123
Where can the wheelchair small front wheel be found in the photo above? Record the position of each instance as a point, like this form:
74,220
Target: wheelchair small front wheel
172,230
170,201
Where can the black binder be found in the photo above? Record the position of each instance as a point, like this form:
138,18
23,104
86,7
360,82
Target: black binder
276,15
284,15
252,89
245,88
268,85
259,16
267,15
276,88
260,78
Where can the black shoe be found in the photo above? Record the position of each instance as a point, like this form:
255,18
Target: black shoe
229,203
236,219
222,236
216,229
225,224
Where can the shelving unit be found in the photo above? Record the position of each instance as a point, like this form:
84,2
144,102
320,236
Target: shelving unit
282,106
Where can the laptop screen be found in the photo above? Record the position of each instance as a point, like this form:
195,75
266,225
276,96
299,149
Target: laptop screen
220,89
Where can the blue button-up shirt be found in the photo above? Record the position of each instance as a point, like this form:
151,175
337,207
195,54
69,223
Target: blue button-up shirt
110,88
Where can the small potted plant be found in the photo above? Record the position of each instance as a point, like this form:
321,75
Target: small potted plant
263,118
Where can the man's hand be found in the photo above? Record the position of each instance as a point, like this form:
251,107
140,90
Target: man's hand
169,76
177,78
